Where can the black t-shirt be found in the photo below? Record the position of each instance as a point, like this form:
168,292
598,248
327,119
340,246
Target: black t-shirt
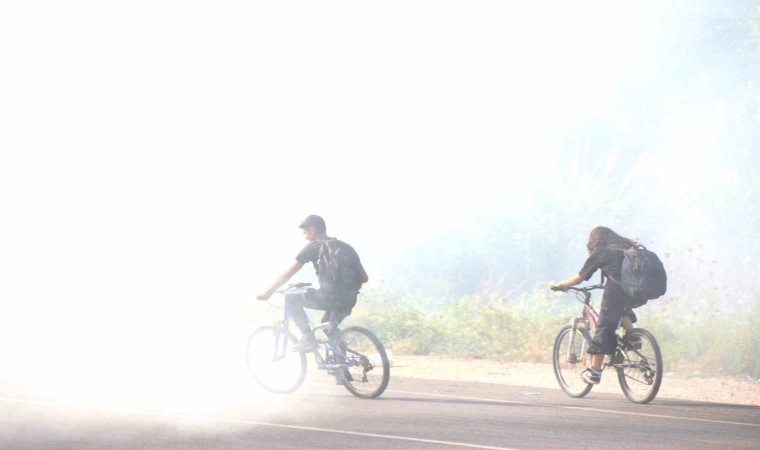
610,261
310,253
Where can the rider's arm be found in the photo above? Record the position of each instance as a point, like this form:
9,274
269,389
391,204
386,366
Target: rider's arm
572,281
589,267
282,279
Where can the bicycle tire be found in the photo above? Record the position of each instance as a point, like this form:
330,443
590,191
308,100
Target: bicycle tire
278,370
569,363
639,380
363,352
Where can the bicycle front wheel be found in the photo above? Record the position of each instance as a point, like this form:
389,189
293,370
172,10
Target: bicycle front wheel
272,364
367,369
640,374
569,358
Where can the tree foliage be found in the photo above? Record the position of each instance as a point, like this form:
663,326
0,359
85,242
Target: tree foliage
674,163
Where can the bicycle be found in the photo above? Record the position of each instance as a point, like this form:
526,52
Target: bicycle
354,355
637,357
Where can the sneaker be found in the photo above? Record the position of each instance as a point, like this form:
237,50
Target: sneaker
634,342
591,376
305,346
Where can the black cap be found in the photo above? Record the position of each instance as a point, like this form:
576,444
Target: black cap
314,221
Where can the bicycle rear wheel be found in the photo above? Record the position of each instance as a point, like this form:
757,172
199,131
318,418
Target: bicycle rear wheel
367,370
271,362
640,374
569,358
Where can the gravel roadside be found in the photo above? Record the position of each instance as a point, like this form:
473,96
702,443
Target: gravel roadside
674,386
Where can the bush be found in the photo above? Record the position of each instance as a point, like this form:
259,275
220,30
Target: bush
697,336
701,337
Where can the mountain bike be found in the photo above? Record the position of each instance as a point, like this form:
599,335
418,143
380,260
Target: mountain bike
637,358
354,355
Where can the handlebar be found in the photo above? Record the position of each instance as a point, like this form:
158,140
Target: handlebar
586,288
293,286
583,294
285,290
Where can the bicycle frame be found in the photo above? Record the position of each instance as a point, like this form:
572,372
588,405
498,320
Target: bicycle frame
334,357
354,355
637,358
586,322
328,361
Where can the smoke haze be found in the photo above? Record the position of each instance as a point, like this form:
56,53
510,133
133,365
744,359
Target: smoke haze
158,156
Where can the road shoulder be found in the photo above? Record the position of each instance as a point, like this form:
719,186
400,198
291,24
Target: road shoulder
674,386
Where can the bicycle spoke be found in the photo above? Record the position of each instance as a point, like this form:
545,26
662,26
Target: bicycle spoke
641,373
570,359
271,363
366,369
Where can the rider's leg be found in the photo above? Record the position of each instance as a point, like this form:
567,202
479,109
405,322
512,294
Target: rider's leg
604,341
628,321
342,375
312,299
294,303
335,317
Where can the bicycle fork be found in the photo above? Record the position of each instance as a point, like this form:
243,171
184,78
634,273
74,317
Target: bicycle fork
280,344
580,324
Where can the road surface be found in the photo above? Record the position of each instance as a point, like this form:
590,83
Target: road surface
412,414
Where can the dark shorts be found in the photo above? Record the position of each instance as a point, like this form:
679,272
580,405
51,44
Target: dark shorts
339,307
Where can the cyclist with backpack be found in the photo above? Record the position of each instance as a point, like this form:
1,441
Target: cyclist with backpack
340,274
634,276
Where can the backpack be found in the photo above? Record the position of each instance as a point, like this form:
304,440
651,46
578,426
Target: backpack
642,276
338,268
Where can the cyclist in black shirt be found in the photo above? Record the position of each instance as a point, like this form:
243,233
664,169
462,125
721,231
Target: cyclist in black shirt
605,249
339,306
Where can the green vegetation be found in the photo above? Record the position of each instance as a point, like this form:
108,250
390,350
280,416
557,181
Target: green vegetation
703,337
695,337
672,163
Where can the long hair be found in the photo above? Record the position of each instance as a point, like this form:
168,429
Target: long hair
603,237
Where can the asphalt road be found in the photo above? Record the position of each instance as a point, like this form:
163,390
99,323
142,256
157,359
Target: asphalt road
412,414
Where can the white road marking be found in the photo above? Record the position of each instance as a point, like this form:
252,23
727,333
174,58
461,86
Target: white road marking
581,408
255,423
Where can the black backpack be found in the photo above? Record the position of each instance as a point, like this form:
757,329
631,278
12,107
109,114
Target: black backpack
643,276
338,268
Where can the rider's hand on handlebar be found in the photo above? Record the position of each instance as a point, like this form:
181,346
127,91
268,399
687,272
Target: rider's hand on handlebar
558,287
264,295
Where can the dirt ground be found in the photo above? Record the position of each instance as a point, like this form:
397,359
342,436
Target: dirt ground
674,385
